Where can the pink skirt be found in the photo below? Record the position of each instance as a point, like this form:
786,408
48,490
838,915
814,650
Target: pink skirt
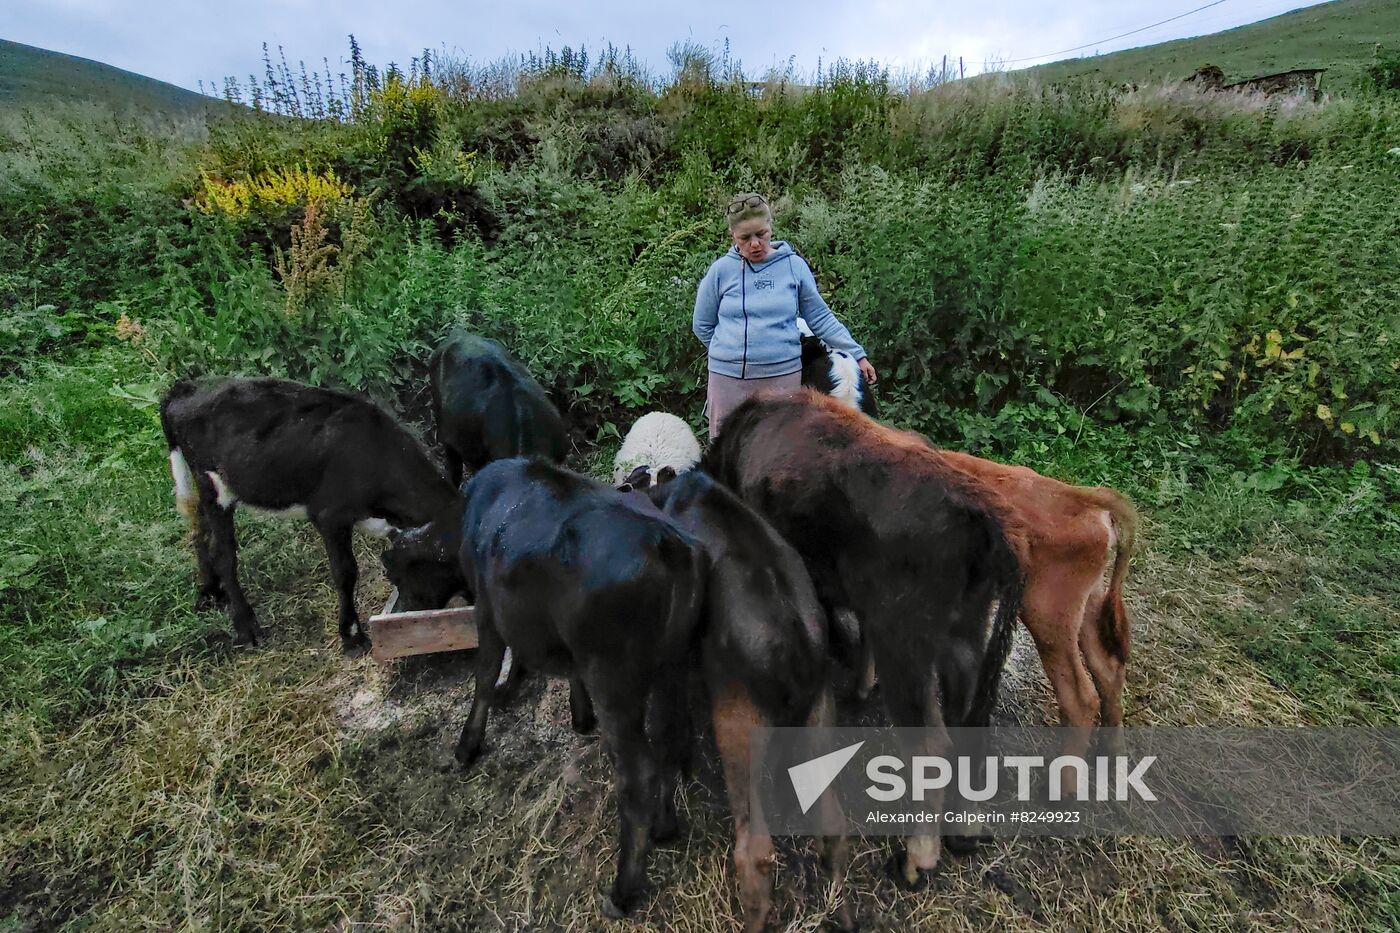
726,393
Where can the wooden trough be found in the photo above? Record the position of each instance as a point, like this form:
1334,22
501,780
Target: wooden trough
400,634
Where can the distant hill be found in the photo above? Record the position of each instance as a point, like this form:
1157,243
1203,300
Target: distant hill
1339,36
31,76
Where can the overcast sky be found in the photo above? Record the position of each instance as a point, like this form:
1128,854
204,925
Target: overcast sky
185,42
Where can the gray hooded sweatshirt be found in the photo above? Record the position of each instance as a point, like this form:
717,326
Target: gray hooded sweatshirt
746,314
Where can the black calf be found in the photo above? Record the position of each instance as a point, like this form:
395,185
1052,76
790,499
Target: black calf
291,448
487,407
764,655
582,581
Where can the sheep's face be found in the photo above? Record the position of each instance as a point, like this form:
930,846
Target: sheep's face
641,478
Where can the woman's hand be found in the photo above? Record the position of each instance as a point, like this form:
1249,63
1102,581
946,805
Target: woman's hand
868,371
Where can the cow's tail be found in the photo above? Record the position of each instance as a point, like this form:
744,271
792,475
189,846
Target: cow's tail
186,492
1115,630
1008,582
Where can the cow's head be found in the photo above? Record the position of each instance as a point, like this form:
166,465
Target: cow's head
424,565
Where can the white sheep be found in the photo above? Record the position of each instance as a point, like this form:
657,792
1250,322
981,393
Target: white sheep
656,442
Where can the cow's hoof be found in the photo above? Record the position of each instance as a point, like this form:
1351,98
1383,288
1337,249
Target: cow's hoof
962,845
355,646
609,907
666,829
209,600
467,756
895,868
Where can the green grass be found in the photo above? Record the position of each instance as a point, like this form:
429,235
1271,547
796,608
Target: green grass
34,77
1340,36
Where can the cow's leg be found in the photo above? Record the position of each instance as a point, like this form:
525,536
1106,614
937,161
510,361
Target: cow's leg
623,723
851,645
911,693
973,745
454,465
670,737
508,683
1053,614
581,707
223,553
490,655
836,851
1107,666
844,637
211,591
735,718
336,534
865,684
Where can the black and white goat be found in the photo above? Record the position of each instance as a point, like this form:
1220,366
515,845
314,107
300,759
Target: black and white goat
834,372
294,449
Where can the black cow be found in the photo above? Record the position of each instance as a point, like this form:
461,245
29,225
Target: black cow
298,449
890,531
487,407
583,581
835,373
764,653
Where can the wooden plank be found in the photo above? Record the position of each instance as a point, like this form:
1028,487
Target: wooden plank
399,634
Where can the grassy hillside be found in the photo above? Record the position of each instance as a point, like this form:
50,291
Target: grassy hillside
1339,36
31,76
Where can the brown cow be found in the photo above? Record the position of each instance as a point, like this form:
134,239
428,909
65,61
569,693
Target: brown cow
1068,539
890,531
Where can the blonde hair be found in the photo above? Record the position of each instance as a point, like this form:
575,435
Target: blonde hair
747,205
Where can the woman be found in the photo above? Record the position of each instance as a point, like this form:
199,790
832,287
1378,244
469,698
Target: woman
746,312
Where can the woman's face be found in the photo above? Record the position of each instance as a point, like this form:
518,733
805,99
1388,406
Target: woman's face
752,237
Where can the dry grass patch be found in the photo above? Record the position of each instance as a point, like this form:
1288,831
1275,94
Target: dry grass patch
290,788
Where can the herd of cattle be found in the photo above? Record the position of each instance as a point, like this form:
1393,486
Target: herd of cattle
744,567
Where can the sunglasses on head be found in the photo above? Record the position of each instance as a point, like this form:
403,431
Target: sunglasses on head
752,200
